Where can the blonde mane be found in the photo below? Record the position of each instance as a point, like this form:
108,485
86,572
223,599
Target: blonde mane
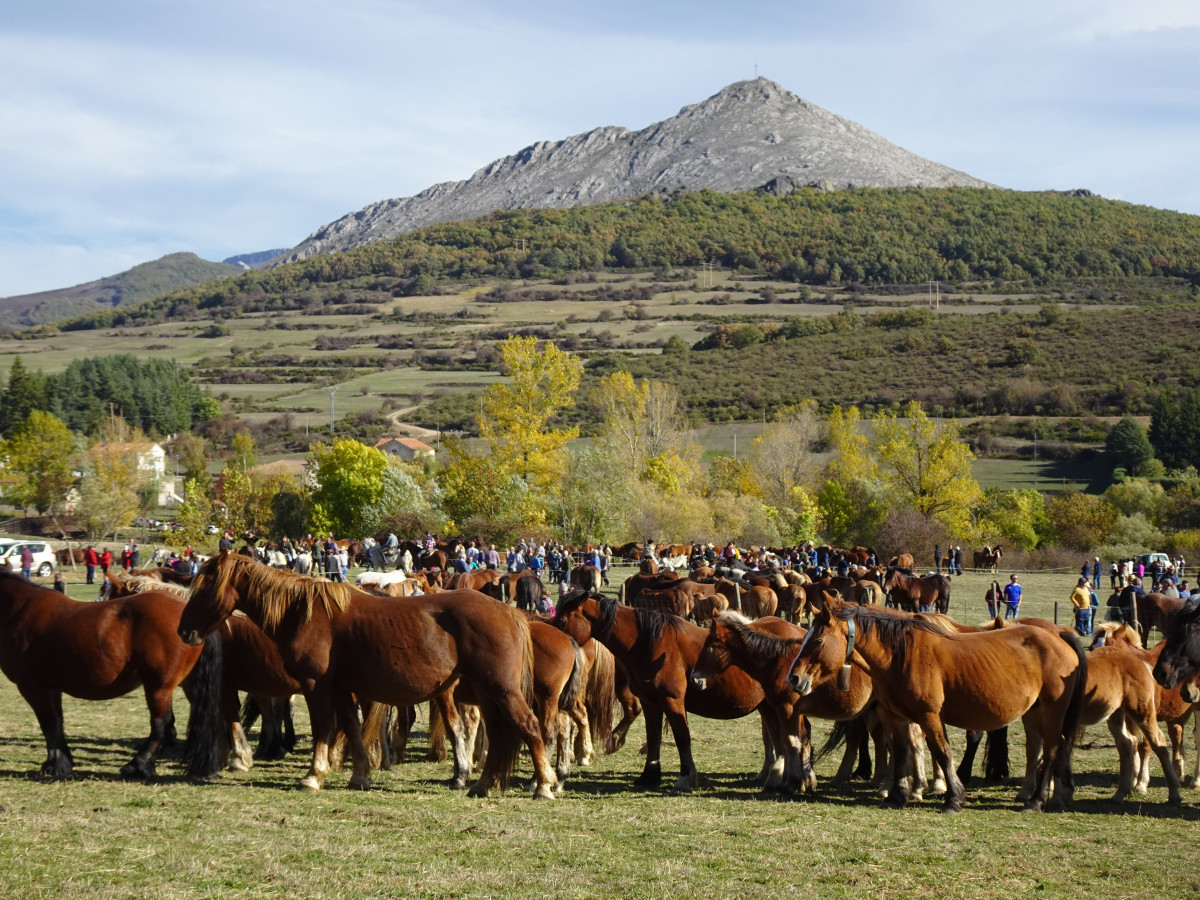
140,583
273,592
1110,629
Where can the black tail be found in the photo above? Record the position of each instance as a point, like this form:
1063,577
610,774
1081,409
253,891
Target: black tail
1072,718
842,732
995,756
250,712
207,736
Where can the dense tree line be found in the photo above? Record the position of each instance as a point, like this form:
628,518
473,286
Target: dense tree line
154,394
875,236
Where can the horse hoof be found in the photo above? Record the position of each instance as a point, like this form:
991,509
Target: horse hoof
57,768
543,792
133,772
309,784
360,782
1032,806
477,790
683,784
457,784
239,765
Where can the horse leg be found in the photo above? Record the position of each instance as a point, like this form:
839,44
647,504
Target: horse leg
47,706
347,712
510,722
968,758
1194,778
652,772
584,751
443,705
1033,754
1149,727
901,758
797,744
631,707
324,726
939,746
677,718
240,756
158,701
1175,736
1125,753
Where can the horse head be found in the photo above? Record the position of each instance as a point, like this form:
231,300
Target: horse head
211,599
826,647
1179,661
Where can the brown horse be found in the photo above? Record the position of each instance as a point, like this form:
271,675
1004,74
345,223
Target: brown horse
902,561
586,578
1155,610
765,649
340,643
923,672
657,652
1170,703
928,593
989,558
51,645
486,581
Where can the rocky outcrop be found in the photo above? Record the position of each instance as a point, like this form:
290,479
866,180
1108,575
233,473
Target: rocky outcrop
750,134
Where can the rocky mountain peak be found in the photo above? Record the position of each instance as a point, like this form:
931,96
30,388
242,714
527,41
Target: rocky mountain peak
746,135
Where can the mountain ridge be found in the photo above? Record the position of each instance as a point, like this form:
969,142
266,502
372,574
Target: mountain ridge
744,136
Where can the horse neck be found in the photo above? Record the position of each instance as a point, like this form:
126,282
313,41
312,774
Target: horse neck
878,656
17,596
757,664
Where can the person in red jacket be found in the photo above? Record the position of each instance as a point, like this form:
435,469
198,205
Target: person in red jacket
105,561
91,559
126,559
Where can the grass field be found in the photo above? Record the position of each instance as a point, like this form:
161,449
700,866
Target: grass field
255,835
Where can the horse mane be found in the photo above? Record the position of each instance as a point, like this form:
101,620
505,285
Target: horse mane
141,583
1187,614
1109,629
757,643
274,591
893,627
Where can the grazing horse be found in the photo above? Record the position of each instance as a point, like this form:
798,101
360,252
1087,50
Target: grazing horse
918,594
924,672
657,652
903,561
51,645
340,643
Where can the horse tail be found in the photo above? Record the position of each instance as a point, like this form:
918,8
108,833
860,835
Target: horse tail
373,734
437,734
250,712
601,694
207,735
850,731
504,740
577,682
995,756
1071,721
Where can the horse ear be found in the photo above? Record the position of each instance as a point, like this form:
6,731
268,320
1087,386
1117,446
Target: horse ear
831,601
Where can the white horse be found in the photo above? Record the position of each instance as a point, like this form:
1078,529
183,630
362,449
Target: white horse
303,563
379,579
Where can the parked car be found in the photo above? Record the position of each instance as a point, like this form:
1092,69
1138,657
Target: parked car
43,557
1149,559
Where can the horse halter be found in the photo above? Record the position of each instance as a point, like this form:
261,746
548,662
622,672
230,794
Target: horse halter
843,681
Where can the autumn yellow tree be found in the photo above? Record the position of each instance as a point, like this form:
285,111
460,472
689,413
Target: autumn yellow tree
515,419
927,466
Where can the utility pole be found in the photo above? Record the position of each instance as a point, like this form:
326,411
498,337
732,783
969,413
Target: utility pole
332,390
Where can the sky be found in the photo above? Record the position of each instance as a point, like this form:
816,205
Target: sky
135,128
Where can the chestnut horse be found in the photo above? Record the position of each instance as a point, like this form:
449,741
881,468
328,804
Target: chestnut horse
928,593
340,643
51,645
765,649
1155,610
657,652
924,672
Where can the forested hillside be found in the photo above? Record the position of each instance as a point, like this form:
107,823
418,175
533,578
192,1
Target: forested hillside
870,236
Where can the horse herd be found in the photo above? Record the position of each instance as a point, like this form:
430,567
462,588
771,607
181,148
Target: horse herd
499,679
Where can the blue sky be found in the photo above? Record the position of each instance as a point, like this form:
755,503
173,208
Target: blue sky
135,128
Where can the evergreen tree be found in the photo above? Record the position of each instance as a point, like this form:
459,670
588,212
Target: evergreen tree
1128,447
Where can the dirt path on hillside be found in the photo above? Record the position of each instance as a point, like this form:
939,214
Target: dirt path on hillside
404,429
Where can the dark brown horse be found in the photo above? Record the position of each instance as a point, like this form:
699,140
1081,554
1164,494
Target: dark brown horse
924,672
341,644
657,652
1155,611
51,645
928,593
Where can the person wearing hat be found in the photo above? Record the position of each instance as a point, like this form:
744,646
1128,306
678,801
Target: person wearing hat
1012,597
1081,599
